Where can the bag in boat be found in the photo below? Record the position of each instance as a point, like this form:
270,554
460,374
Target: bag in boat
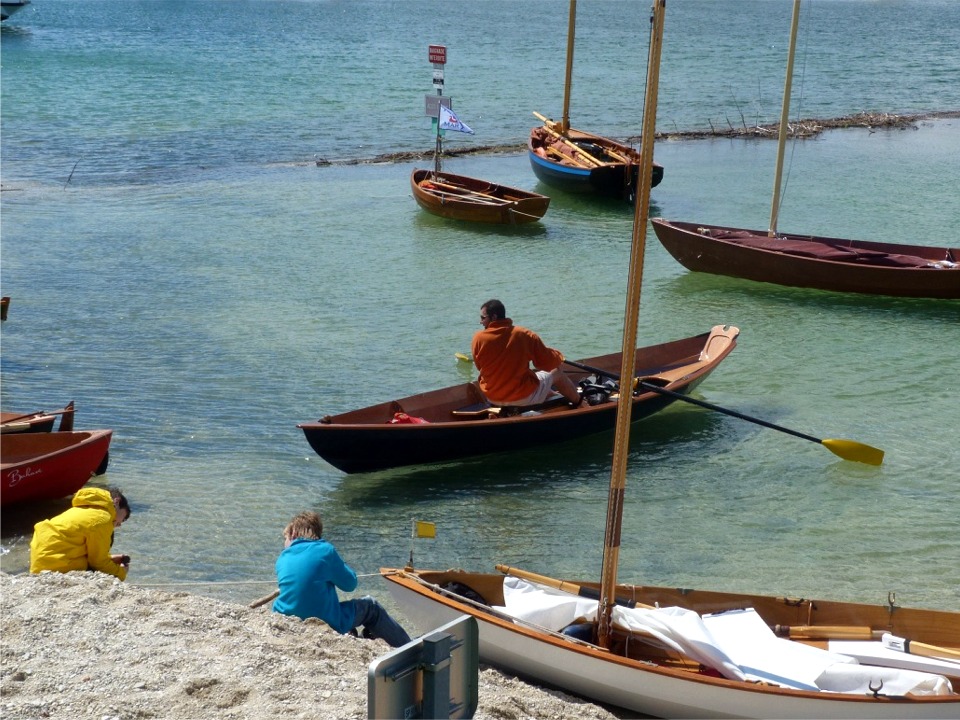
596,389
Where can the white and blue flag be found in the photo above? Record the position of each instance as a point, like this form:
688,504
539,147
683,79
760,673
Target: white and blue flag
449,121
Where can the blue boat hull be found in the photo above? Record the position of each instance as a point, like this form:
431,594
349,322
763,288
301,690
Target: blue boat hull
611,179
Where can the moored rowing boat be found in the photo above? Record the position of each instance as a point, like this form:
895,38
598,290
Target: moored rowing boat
50,465
459,197
457,422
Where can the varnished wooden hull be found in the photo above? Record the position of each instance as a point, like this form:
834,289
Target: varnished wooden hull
814,262
615,178
365,440
11,422
458,197
46,466
638,677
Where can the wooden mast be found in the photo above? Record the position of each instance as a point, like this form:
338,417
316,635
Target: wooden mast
784,113
571,32
618,472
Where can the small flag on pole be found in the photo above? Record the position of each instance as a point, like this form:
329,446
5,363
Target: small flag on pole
449,121
425,529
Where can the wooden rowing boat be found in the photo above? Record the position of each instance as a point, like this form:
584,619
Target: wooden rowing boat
40,421
50,465
459,197
670,677
459,423
580,162
823,263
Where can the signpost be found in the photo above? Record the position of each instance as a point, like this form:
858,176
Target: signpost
438,54
438,57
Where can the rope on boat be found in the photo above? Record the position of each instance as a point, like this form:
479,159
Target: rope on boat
225,582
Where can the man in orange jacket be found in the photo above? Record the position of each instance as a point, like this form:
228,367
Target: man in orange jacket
503,353
80,538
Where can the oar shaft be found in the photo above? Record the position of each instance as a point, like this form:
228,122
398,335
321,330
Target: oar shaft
913,647
694,401
726,411
847,449
826,632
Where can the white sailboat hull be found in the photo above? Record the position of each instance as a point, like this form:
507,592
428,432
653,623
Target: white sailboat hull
643,687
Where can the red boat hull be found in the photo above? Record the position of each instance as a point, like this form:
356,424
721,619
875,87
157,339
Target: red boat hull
46,466
823,263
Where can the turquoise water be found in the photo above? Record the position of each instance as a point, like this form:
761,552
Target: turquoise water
181,267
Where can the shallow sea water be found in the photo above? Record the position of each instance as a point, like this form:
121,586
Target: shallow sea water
201,286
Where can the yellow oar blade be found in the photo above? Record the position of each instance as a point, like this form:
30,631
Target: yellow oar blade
852,450
462,357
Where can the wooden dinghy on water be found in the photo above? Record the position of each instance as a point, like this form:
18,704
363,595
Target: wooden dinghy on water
661,662
821,263
40,421
50,465
580,162
458,197
457,422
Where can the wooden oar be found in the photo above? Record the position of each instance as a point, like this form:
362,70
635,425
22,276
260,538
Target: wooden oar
607,150
576,148
827,632
918,648
41,413
466,191
566,158
846,449
565,586
467,196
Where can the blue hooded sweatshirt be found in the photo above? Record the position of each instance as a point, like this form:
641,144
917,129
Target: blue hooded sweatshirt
308,574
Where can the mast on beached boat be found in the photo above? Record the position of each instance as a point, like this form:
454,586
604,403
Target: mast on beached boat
621,443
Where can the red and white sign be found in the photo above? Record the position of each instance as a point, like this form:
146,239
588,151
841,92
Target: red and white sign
438,54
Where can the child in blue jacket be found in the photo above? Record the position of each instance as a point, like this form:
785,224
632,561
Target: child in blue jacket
309,571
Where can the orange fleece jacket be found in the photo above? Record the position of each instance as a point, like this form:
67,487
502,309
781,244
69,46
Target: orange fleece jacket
503,353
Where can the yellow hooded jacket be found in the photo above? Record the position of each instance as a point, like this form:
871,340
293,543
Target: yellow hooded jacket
79,538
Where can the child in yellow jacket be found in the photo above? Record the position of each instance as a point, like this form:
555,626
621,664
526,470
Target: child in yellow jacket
80,538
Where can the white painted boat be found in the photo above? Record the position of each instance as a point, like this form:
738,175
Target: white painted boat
664,682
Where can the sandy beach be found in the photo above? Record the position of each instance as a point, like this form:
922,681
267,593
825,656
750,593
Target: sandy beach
85,645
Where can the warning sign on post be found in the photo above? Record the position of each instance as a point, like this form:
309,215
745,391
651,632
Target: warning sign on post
438,54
